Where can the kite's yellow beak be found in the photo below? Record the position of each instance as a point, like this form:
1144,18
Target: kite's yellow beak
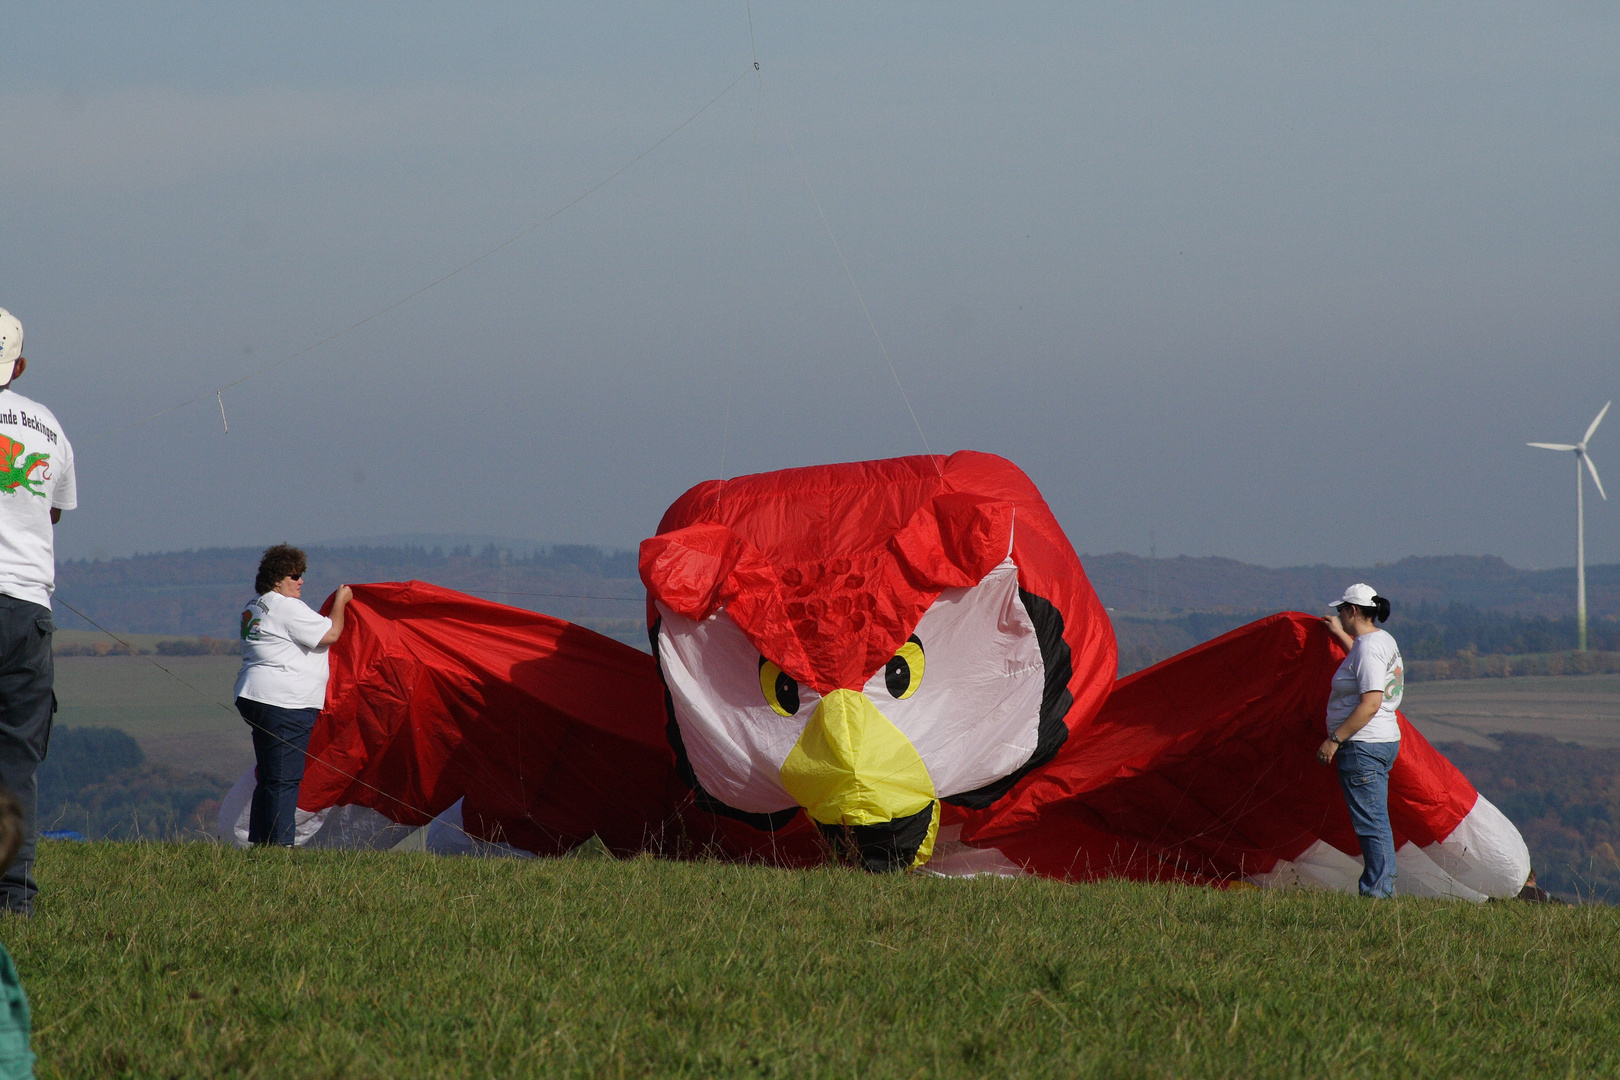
851,766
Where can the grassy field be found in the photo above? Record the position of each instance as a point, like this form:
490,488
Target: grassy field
175,725
194,960
1581,709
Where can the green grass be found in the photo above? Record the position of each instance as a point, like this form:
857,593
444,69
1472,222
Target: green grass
194,960
174,724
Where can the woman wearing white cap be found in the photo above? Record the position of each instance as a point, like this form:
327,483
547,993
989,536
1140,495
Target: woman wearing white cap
1363,734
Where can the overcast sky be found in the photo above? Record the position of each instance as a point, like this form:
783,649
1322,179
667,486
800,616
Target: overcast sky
1288,283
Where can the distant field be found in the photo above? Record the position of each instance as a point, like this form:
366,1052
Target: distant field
175,725
84,639
276,964
179,727
1581,709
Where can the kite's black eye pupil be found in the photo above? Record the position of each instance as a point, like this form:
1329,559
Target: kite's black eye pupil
897,675
787,692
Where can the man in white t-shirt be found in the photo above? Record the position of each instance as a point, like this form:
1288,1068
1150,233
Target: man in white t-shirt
281,688
36,485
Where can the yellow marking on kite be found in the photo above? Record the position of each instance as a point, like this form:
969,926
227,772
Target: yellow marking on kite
926,851
905,671
780,690
852,766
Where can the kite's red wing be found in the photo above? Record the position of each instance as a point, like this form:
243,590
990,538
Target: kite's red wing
1203,768
549,732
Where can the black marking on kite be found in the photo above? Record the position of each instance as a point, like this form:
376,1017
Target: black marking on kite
1056,701
881,848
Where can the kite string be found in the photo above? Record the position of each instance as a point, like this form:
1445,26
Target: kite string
884,349
258,727
742,274
220,390
748,205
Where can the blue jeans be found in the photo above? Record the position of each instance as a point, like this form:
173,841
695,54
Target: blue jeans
1364,776
280,740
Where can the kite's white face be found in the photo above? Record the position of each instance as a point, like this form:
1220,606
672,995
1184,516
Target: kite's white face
956,709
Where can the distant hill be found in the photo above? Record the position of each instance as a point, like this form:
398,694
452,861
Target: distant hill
1131,583
199,593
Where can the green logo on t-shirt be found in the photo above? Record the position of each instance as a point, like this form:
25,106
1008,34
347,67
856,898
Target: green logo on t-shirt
14,476
250,627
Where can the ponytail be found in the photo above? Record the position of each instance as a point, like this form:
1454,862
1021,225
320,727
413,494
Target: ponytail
1378,611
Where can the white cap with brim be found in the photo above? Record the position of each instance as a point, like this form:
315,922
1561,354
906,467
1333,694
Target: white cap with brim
11,342
1359,594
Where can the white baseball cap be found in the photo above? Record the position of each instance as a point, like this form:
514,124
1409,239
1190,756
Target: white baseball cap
1359,594
11,341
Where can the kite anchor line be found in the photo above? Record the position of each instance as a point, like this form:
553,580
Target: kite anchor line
742,280
850,274
220,394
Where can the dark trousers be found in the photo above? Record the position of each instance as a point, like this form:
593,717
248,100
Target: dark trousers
27,700
280,740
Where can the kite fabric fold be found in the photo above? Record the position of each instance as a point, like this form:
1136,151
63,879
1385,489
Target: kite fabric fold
539,727
516,733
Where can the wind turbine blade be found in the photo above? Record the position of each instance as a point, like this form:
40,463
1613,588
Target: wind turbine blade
1551,445
1591,468
1596,421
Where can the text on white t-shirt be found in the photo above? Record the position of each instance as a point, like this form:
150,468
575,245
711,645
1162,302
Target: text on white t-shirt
36,476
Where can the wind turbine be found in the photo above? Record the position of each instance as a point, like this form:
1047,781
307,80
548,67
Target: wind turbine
1580,514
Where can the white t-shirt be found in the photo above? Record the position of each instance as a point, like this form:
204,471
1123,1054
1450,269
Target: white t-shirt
36,476
283,662
1374,663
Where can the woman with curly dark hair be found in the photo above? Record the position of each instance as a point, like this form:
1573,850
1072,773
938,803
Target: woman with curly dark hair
281,688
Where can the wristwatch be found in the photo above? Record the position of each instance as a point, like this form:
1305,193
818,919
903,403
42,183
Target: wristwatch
1335,740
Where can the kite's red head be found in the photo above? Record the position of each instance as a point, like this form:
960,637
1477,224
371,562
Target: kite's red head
797,611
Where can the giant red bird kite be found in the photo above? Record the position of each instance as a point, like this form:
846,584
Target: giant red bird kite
896,662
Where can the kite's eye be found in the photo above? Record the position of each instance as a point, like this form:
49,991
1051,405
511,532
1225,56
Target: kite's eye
904,671
780,690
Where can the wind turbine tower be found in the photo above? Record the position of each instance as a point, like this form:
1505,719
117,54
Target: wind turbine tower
1580,514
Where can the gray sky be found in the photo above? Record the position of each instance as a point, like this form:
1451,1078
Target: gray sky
1287,283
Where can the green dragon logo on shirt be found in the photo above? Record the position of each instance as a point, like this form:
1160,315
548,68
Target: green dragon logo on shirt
250,626
14,476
